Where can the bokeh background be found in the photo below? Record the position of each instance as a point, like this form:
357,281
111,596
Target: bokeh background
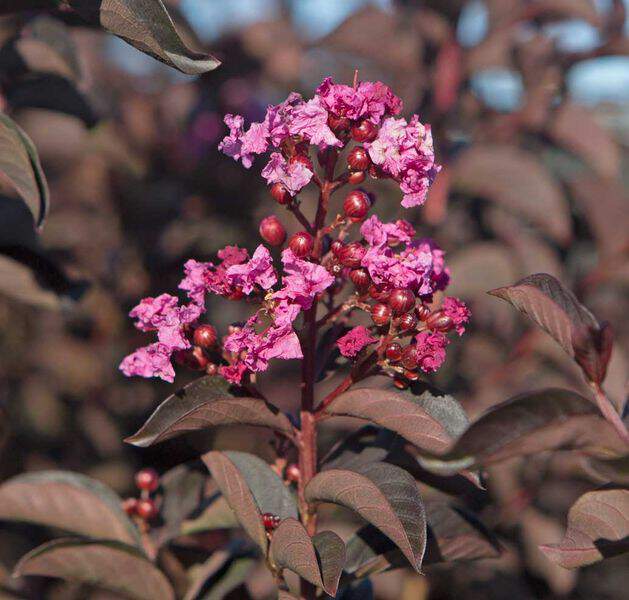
529,103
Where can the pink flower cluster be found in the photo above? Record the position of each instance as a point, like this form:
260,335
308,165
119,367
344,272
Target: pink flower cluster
431,350
401,150
354,341
419,266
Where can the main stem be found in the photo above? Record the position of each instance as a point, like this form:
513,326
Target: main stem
307,445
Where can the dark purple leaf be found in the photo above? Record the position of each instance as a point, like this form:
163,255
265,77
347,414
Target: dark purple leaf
205,403
598,528
330,551
69,501
382,494
109,565
251,489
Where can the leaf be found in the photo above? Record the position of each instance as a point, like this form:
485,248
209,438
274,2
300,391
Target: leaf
411,416
20,166
218,515
615,470
365,445
382,494
526,424
517,180
557,311
109,565
293,549
69,501
205,403
146,25
251,488
330,551
598,528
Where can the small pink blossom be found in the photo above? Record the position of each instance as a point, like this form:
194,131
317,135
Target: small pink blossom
150,361
340,99
354,341
153,313
232,373
431,350
257,271
457,311
194,283
379,101
377,233
310,120
294,176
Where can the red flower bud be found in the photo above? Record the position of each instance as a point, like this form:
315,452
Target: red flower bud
379,294
272,231
351,255
400,384
376,172
292,473
358,159
204,336
270,521
338,124
336,247
211,369
130,505
357,177
393,351
409,357
301,244
407,322
365,131
303,159
146,509
423,312
380,314
439,321
411,375
280,193
401,300
147,479
356,205
360,278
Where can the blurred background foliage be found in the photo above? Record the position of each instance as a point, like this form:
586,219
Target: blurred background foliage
529,103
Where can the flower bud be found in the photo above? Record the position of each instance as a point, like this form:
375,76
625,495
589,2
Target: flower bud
393,351
211,369
380,314
400,384
379,294
270,521
423,312
204,336
338,124
411,375
357,177
365,131
272,231
301,244
280,193
146,509
358,159
407,322
439,321
356,205
360,278
147,479
130,506
409,357
401,300
303,159
292,473
351,255
336,246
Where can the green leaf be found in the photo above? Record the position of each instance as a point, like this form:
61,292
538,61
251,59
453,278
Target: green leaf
207,402
251,489
109,565
20,167
427,421
69,501
382,494
598,528
146,25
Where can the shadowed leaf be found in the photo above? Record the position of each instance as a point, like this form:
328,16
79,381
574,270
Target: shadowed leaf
365,445
598,528
217,515
21,169
421,419
558,312
146,25
109,565
205,403
615,470
516,180
69,501
251,488
382,494
330,551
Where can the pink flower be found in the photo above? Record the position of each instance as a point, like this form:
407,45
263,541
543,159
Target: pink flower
278,118
354,341
431,350
379,101
302,281
440,275
457,311
310,120
257,271
341,100
150,361
405,152
294,176
194,282
377,233
153,313
232,255
232,373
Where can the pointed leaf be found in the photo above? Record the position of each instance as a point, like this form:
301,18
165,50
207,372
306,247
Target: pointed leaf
109,565
598,528
251,488
146,25
217,515
69,501
20,167
558,312
385,496
205,403
330,551
526,424
421,419
292,548
516,180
